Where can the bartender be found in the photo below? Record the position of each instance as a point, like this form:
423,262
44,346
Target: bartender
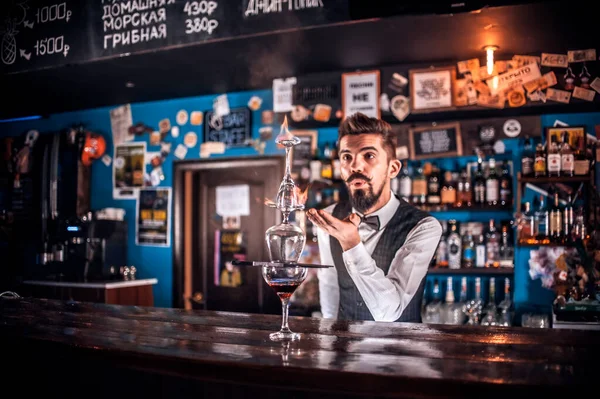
380,245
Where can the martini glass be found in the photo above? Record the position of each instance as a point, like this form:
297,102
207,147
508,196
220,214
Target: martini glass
284,280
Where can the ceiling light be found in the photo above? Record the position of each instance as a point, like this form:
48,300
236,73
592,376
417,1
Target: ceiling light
490,58
129,84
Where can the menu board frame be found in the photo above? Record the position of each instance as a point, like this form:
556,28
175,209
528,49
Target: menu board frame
413,132
312,137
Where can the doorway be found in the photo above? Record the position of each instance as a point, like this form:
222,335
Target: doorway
204,241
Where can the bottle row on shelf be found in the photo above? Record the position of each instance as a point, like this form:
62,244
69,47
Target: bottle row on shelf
556,224
490,184
471,245
472,311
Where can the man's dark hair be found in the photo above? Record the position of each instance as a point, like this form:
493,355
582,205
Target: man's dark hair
360,123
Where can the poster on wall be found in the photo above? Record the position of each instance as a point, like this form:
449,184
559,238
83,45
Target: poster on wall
230,245
128,169
120,121
153,217
360,93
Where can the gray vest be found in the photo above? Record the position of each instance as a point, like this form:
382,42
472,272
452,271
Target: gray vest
352,306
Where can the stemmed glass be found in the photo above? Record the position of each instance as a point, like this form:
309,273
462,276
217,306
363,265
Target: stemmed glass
284,280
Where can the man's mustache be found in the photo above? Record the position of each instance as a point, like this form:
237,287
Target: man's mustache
357,176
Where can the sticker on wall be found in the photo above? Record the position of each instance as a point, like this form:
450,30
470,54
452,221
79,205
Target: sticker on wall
106,159
384,102
322,113
182,117
155,138
398,83
196,117
165,149
180,151
516,98
266,133
175,131
211,147
150,155
233,200
511,128
221,105
232,222
190,139
164,125
153,217
267,117
254,103
128,169
120,120
400,107
156,176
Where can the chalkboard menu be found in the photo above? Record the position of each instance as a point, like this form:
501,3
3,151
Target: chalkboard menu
232,129
439,141
42,33
303,152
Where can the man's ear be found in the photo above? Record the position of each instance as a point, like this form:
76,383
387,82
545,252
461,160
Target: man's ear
394,168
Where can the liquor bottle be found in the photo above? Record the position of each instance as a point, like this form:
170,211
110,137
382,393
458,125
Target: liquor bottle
568,221
479,184
474,307
468,250
539,167
556,223
419,187
405,184
433,308
448,306
527,226
492,245
543,223
464,194
434,186
553,158
480,251
449,189
441,253
492,185
490,310
505,186
505,305
567,159
454,245
528,158
507,252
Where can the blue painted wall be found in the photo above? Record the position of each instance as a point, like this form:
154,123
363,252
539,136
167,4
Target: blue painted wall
157,261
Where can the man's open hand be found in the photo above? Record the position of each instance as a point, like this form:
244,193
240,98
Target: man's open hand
346,231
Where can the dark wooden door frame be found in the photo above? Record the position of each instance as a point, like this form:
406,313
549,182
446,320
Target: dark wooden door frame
179,169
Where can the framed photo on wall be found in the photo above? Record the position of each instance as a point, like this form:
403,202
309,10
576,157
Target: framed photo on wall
438,141
576,136
432,89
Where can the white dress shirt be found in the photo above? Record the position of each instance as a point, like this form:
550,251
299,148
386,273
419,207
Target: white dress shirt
386,296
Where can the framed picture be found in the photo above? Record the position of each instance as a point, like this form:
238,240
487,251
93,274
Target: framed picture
575,134
360,93
439,141
432,89
303,152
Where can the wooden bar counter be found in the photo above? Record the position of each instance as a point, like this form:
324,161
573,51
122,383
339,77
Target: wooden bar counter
75,349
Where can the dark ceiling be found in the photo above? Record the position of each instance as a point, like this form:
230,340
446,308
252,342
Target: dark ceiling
252,62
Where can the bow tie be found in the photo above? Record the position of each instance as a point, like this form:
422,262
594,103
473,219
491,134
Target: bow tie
371,221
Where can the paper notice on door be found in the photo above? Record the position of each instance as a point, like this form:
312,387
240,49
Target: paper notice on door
282,94
120,121
233,200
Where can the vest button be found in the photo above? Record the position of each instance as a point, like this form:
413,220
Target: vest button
359,303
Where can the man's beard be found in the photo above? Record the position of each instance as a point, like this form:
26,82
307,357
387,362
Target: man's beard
364,199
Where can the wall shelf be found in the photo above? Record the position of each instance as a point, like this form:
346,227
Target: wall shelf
560,179
498,271
433,208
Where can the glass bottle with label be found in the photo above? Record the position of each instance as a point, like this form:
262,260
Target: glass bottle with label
553,158
405,184
468,249
582,164
464,193
506,186
441,253
474,307
419,187
528,158
492,185
433,308
434,186
527,226
449,189
492,245
454,245
543,224
507,251
480,250
568,221
490,310
479,184
567,158
556,223
539,166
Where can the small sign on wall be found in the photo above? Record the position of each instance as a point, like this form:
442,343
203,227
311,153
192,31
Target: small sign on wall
442,140
360,93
